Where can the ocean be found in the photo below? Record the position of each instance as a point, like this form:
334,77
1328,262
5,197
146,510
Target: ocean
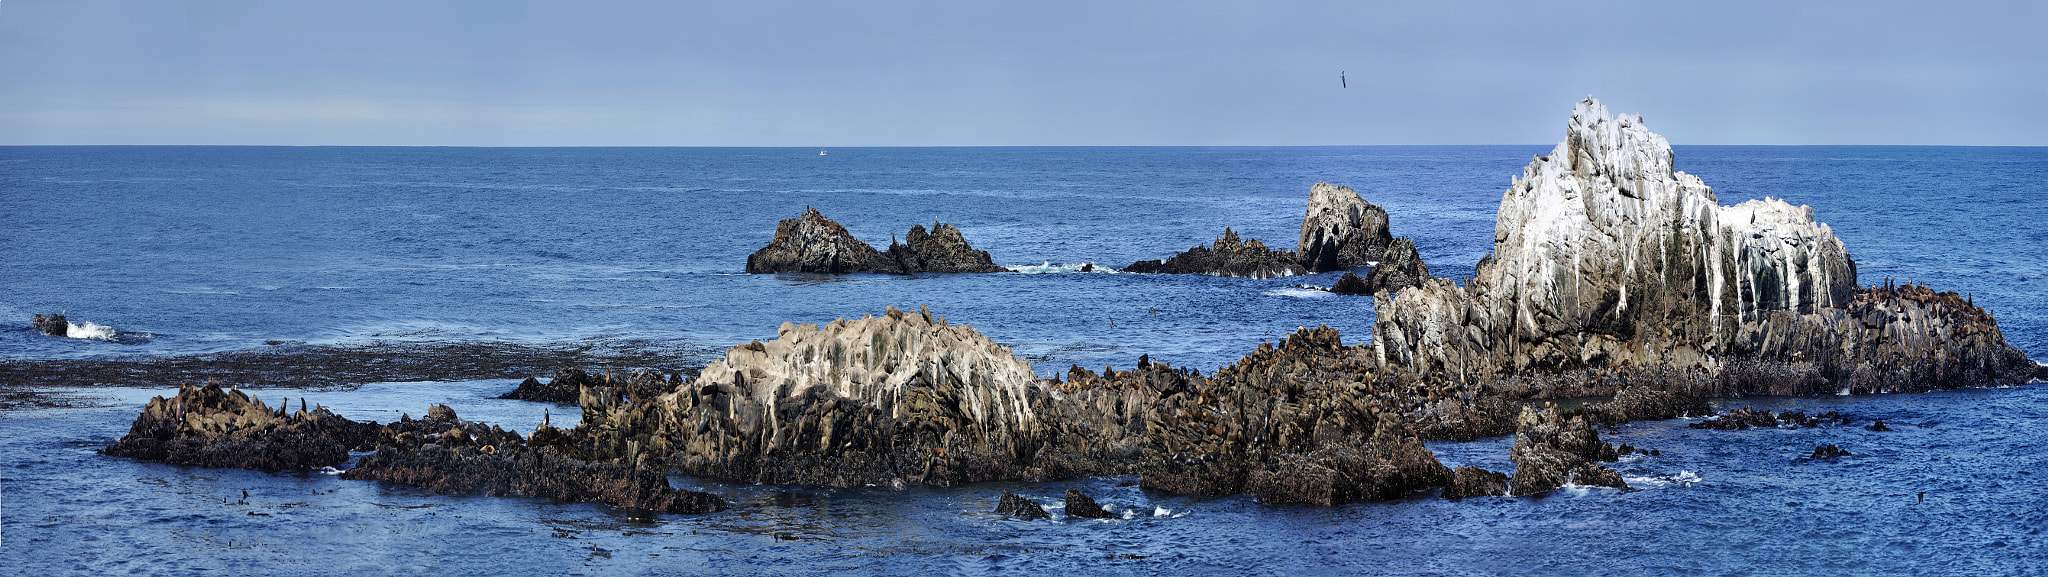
187,251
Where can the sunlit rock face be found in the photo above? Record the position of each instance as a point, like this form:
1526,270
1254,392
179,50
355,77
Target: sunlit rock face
1605,257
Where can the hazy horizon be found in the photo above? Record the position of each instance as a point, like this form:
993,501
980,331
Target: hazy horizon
831,75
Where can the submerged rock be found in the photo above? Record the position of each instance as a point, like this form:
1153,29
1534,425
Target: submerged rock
53,325
1552,450
1013,505
209,427
814,244
1228,256
542,472
1079,506
1351,284
1829,452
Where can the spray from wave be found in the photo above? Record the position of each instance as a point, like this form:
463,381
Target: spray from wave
1049,267
92,331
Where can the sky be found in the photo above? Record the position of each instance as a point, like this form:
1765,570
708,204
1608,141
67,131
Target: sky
1042,72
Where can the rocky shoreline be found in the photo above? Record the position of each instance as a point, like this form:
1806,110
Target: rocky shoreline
1611,276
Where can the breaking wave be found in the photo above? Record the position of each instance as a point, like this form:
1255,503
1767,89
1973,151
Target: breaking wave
1049,267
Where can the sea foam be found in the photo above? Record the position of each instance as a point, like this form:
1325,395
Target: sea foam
96,332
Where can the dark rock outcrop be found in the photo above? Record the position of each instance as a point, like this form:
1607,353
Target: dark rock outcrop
542,472
568,383
1878,425
1748,417
1829,452
1475,482
1014,505
1552,450
941,250
1341,230
53,325
1079,506
1228,256
814,244
1305,422
209,427
1352,284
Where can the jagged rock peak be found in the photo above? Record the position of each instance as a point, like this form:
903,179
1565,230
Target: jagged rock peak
1230,256
813,243
943,249
1341,230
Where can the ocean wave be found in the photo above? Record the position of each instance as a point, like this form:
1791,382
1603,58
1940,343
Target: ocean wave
1298,292
1048,267
92,331
1682,479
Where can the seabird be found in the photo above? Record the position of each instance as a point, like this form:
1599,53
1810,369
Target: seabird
1341,82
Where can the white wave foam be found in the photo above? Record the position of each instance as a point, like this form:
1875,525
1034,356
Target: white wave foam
330,471
1158,511
1299,293
1130,514
91,331
1682,479
1048,267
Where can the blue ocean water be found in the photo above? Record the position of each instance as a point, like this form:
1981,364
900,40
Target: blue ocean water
205,249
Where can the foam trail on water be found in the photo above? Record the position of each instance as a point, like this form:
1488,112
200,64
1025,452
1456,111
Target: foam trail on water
91,331
1048,267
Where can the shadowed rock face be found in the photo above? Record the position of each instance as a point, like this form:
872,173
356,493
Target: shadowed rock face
209,427
1228,256
1607,261
815,244
1080,506
1551,450
1013,505
1341,230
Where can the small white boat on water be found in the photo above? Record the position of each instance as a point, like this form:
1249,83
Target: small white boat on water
821,153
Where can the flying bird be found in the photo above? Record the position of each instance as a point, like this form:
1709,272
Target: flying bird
1340,80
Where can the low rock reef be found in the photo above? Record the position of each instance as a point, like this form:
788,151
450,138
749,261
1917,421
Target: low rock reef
210,427
53,325
814,244
1340,232
568,383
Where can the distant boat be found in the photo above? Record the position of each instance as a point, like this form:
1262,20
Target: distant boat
821,153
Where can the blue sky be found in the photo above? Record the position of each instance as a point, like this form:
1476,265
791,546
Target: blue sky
823,74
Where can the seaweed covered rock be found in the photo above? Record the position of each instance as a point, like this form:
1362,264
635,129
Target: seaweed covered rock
1825,452
210,427
542,472
941,250
1304,422
1341,230
1552,450
1080,506
814,244
1014,505
1228,256
1351,284
1475,482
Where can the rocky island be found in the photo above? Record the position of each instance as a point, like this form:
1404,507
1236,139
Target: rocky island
1340,232
1611,275
815,244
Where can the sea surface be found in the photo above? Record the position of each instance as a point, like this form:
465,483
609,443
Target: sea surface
197,250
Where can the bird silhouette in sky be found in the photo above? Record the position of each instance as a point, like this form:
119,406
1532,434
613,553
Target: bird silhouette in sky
1341,82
